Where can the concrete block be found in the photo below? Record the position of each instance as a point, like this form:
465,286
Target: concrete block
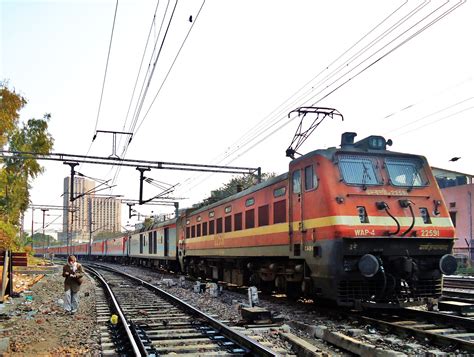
304,348
4,344
319,331
355,332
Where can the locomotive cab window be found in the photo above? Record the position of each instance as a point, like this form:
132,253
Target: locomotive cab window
296,180
406,172
310,179
359,170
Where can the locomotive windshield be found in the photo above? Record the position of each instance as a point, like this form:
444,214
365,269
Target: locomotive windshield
359,170
406,172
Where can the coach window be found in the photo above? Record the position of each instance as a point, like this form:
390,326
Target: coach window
150,242
204,228
198,230
219,225
249,202
296,181
279,211
188,232
238,221
211,227
228,224
249,218
263,216
310,179
193,231
155,248
141,243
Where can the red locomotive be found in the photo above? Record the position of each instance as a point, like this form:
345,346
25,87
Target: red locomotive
359,225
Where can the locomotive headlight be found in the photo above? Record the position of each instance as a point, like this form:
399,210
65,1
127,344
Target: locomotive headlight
448,264
368,265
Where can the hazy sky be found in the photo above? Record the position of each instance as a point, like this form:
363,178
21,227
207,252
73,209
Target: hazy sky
383,64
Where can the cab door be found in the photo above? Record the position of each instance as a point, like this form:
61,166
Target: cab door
296,212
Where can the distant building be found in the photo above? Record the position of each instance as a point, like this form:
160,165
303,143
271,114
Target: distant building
88,214
458,190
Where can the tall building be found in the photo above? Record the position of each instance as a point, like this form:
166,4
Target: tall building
88,214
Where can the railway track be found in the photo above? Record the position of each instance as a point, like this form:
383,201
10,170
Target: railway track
458,288
437,328
458,282
156,323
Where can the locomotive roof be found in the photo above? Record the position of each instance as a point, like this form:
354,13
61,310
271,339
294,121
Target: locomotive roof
331,151
269,182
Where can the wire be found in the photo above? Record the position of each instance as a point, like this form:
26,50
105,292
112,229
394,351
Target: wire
137,114
291,105
103,83
117,171
436,121
163,81
429,115
106,67
357,74
171,67
140,68
262,132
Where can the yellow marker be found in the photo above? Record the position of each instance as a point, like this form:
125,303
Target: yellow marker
114,319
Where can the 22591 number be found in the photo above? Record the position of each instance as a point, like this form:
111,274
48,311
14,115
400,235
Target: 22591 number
430,232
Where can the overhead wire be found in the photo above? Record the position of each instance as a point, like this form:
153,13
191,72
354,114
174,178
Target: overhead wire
106,67
240,147
142,94
105,76
171,67
152,26
436,121
165,78
257,129
262,127
145,91
361,71
428,116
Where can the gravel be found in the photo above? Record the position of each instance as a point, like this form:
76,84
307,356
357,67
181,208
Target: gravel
226,308
35,323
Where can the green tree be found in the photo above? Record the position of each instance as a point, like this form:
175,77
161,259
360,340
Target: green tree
16,173
235,184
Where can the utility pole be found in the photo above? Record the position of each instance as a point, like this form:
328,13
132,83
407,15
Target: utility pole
32,223
89,206
44,214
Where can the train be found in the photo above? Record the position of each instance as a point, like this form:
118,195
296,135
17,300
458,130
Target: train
358,225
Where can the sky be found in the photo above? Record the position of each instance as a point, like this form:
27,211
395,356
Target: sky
394,68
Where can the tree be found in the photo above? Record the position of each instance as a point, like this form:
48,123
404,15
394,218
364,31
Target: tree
17,173
236,184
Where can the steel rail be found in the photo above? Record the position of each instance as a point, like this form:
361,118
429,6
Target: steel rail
136,349
436,318
231,334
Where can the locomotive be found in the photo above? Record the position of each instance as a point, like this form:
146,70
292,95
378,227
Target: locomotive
358,225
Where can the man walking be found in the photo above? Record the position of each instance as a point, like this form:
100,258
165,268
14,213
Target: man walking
73,273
